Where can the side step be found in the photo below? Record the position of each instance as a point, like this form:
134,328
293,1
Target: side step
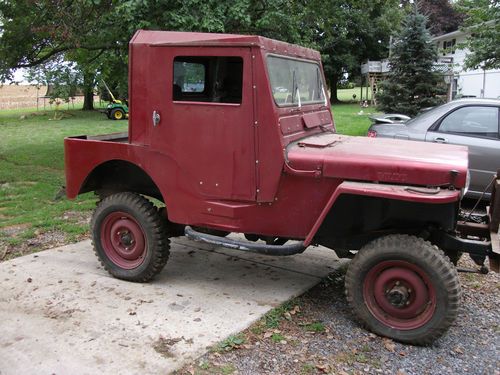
254,247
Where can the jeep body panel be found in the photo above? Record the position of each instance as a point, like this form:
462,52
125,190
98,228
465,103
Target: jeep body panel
384,161
384,191
251,166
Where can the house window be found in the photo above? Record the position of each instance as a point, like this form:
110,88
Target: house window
216,79
449,46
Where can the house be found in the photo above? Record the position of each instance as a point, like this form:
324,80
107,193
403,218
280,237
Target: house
477,83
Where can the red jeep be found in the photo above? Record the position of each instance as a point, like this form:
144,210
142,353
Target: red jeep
234,133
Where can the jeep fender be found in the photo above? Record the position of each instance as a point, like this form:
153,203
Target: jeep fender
395,192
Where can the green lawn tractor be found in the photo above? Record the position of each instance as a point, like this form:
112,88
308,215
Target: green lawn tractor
116,109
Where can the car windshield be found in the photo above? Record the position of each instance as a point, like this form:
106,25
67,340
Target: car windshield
295,82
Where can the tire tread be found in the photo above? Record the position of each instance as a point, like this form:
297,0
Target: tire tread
432,257
161,243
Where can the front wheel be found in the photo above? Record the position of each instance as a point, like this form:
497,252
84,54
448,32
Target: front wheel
129,237
404,288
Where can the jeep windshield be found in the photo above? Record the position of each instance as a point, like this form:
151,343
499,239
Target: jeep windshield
295,82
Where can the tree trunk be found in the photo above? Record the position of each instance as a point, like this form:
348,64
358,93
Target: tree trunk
88,91
334,79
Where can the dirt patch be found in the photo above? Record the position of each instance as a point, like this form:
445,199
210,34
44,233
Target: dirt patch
12,243
164,346
78,217
41,241
58,314
15,230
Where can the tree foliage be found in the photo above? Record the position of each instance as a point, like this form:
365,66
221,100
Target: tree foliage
34,33
348,33
443,16
92,35
63,78
412,84
483,24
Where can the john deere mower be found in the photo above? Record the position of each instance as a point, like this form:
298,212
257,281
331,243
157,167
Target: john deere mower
116,109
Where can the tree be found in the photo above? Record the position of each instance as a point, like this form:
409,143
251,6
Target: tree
34,33
348,33
483,24
62,78
443,16
411,84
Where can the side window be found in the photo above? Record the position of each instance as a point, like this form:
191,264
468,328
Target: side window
472,121
188,77
216,79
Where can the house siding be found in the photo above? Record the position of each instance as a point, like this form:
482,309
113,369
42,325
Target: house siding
477,83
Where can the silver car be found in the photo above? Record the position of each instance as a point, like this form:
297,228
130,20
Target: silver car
469,122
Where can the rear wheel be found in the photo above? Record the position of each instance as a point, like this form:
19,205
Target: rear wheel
404,288
117,114
129,237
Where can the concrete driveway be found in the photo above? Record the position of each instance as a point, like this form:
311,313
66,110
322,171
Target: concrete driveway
61,313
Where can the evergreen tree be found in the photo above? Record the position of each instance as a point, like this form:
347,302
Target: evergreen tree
412,84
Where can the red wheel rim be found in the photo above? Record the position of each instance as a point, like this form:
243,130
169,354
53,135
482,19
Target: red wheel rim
123,240
399,294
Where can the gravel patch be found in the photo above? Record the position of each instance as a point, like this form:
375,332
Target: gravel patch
317,334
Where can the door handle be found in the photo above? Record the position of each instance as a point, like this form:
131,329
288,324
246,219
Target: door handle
156,118
440,140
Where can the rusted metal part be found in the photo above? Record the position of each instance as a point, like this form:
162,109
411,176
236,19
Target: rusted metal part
494,208
473,229
448,241
494,216
495,263
488,233
279,250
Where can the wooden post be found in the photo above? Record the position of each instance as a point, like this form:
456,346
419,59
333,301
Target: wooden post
367,86
361,94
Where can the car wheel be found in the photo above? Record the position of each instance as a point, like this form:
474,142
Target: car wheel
404,288
129,237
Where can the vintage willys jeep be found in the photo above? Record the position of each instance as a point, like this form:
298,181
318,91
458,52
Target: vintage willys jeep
234,133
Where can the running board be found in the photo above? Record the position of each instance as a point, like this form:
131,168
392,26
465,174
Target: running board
279,250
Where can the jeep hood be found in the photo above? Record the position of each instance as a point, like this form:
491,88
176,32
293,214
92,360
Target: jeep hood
379,160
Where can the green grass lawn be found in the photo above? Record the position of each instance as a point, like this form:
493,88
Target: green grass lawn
345,95
32,171
351,119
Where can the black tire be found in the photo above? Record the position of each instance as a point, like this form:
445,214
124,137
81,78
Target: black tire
117,114
379,284
129,237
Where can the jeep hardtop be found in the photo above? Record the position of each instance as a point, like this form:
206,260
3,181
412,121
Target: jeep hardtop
234,134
